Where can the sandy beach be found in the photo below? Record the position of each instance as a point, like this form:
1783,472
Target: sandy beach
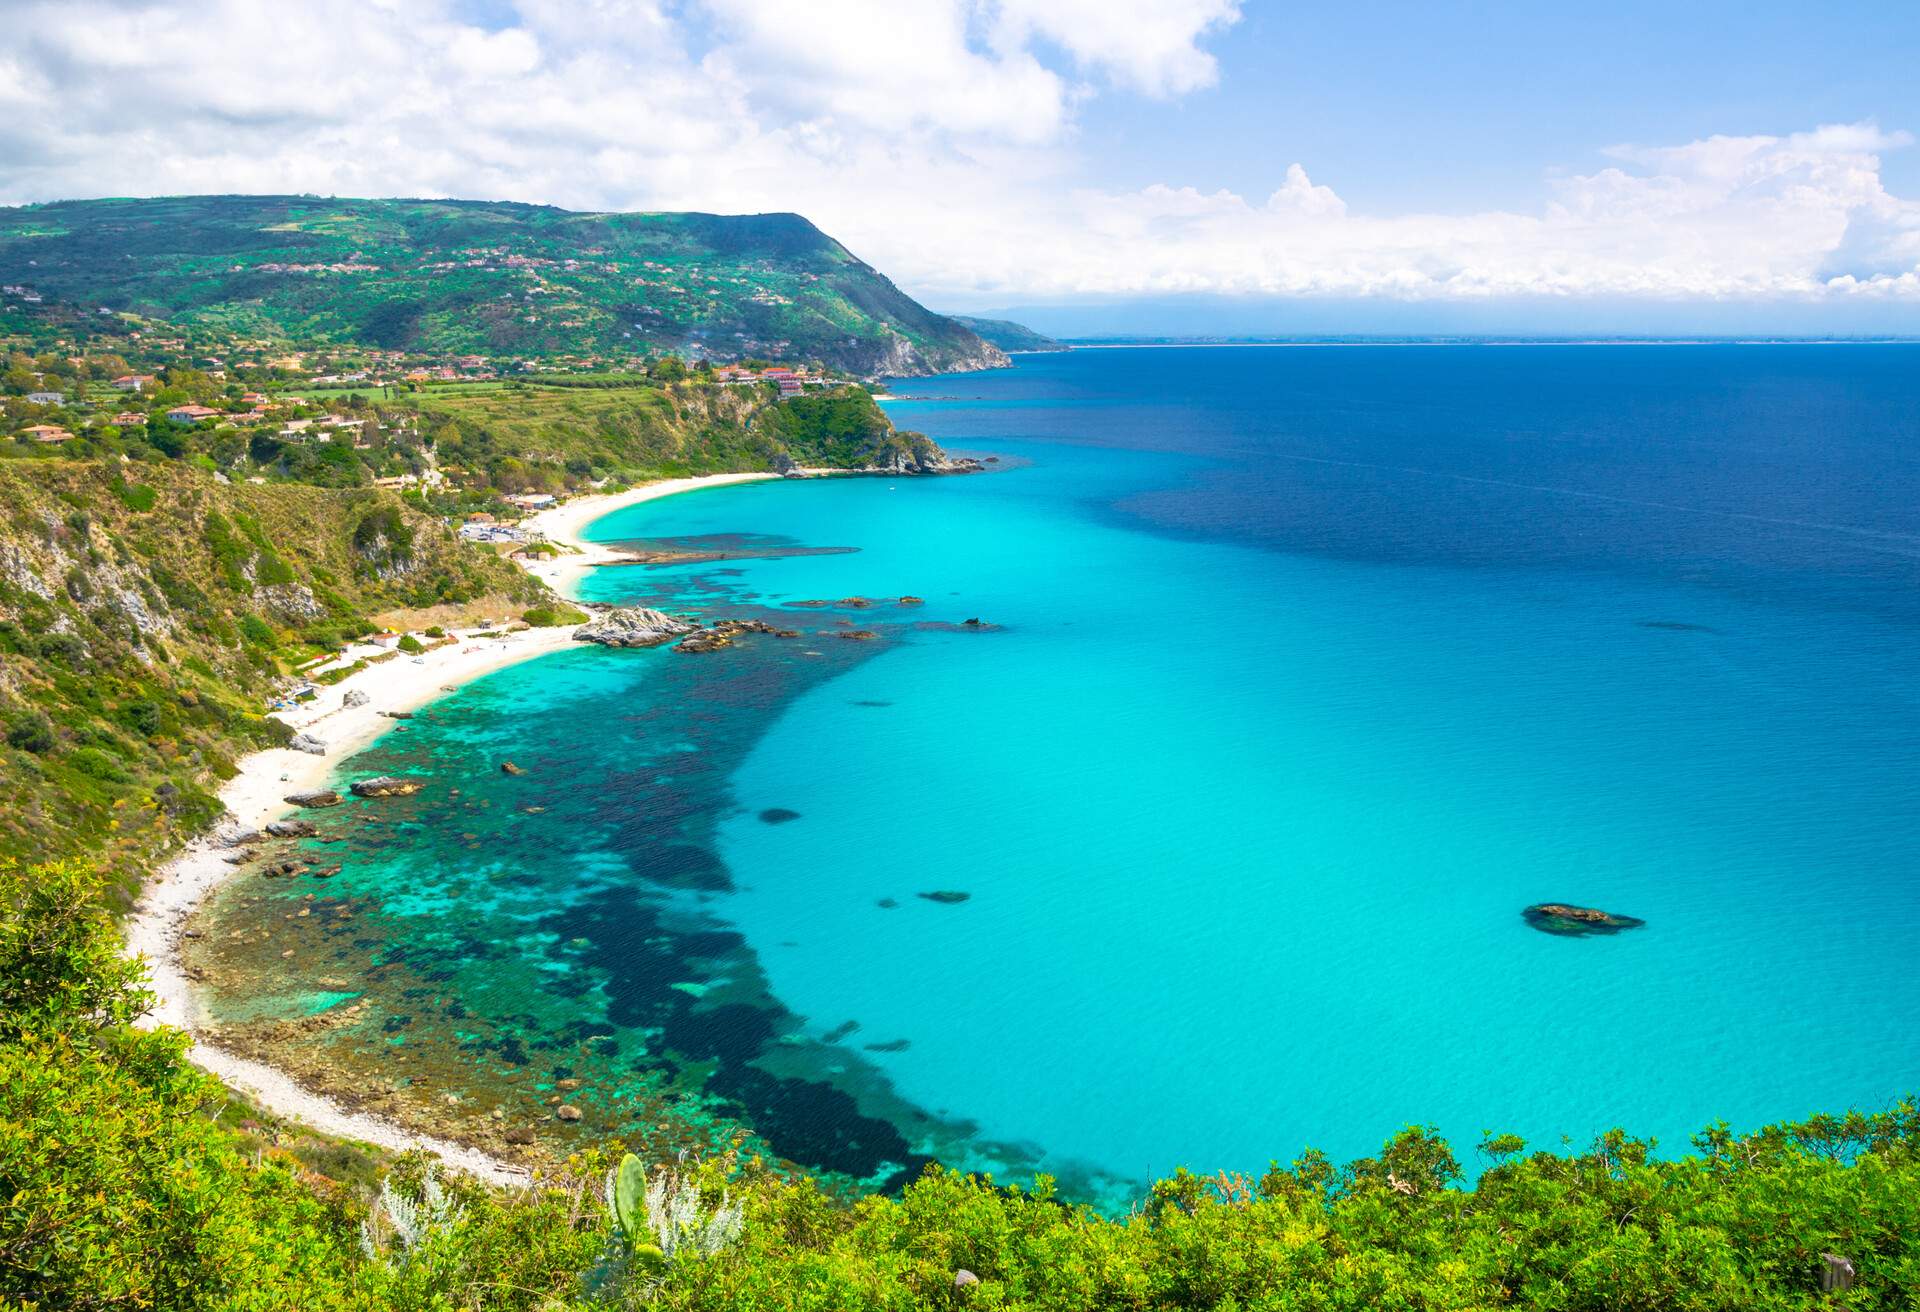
563,524
256,795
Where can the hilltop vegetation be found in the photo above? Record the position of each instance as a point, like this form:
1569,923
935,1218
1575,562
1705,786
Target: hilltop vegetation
483,277
546,438
147,609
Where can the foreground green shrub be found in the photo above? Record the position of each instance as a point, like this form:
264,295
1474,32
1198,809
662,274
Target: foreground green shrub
551,617
120,1187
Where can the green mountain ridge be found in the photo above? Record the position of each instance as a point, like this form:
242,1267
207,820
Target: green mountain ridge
489,278
1008,335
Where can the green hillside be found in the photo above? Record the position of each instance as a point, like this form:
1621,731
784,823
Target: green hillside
486,278
1008,335
146,611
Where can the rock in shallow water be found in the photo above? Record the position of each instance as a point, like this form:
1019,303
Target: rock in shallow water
948,896
778,815
316,797
387,785
1571,921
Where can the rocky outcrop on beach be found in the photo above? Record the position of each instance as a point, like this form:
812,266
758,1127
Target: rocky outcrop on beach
387,785
292,828
355,697
314,798
1565,919
632,626
306,742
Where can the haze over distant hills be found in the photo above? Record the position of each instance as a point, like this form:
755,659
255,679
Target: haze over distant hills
485,277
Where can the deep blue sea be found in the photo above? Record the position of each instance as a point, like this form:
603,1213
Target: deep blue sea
1303,671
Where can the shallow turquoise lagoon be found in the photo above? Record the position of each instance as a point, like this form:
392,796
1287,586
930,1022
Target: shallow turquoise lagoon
1246,806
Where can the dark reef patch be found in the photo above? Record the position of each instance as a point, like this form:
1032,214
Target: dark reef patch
1570,921
778,815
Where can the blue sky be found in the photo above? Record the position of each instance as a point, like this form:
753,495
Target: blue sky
1251,166
1470,106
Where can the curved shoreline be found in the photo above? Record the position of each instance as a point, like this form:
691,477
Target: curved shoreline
255,795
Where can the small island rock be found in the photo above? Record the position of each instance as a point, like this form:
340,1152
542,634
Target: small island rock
1571,921
387,785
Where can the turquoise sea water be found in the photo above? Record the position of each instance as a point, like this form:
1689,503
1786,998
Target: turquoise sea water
1305,672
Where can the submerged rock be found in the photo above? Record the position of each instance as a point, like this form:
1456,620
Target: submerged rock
632,626
947,896
1571,921
778,815
387,785
306,742
292,828
567,1112
508,767
859,635
314,798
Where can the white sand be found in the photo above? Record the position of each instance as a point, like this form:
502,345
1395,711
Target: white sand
254,796
562,524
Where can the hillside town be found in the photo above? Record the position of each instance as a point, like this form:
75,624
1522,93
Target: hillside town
80,383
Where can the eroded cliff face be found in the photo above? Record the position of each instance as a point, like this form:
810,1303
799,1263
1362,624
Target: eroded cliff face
900,358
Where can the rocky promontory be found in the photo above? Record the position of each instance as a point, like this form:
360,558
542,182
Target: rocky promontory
632,626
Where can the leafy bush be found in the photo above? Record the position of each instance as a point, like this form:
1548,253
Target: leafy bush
410,644
30,731
551,617
134,496
258,632
96,764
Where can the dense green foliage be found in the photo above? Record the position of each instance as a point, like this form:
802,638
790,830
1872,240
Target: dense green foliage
485,277
141,624
543,439
127,1180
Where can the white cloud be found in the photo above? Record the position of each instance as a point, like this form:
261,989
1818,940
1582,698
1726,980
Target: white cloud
1149,45
937,138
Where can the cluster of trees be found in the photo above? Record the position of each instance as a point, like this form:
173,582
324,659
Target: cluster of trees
128,1179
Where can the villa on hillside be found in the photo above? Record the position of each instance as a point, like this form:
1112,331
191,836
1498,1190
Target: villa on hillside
134,382
191,414
47,433
46,398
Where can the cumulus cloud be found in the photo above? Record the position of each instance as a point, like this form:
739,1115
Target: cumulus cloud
937,138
